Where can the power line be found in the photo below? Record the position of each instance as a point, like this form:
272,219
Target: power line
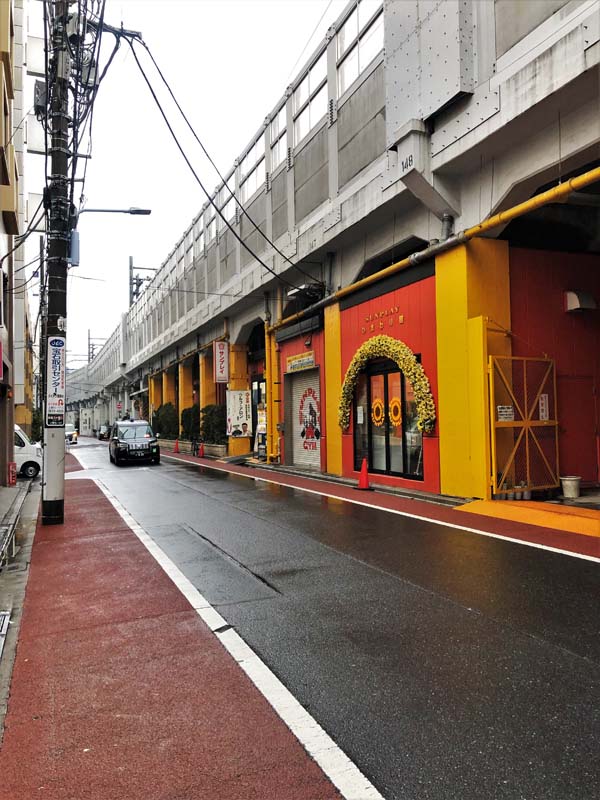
225,184
321,18
195,174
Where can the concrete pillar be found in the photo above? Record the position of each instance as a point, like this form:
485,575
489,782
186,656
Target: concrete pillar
155,393
208,392
472,287
238,381
333,386
186,390
168,387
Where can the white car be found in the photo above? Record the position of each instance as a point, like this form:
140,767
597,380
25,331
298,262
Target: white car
70,433
28,456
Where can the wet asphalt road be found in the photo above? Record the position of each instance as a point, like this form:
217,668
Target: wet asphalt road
445,664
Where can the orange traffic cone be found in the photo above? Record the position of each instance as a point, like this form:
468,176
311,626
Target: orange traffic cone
363,481
176,448
201,452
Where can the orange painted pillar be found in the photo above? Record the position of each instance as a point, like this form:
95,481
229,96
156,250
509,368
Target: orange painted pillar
239,381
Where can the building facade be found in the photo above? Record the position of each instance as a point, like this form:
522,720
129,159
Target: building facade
11,60
357,315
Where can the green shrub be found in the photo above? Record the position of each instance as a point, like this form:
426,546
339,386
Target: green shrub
213,426
164,421
190,422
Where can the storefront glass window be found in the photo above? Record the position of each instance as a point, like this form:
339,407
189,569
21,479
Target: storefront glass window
361,427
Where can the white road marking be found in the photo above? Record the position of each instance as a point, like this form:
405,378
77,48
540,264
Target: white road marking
420,517
335,764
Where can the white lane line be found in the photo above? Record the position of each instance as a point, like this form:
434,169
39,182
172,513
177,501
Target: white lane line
453,525
335,764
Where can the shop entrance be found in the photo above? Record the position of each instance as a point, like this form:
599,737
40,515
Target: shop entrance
385,423
306,418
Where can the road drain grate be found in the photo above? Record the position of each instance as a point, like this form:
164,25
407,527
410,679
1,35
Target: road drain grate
4,621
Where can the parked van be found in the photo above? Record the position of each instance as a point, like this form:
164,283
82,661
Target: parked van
27,455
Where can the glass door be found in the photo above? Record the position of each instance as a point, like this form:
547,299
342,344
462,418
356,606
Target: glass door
378,423
385,423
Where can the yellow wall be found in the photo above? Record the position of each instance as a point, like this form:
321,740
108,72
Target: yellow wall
238,381
186,390
333,384
208,393
472,297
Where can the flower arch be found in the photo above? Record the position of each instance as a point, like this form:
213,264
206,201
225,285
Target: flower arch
403,356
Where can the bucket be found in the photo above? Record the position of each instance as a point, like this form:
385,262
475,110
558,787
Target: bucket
570,486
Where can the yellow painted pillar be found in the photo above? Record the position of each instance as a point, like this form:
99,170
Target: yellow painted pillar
239,381
333,384
168,387
472,289
208,389
186,389
269,393
155,393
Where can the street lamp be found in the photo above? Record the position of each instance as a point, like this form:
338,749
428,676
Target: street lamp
138,212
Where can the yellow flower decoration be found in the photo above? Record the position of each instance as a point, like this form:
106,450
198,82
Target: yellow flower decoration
395,411
377,412
397,351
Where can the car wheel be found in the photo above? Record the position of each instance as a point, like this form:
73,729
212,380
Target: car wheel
30,470
156,460
116,461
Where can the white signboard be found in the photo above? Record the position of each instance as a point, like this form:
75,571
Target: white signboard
239,413
544,408
506,413
55,389
221,362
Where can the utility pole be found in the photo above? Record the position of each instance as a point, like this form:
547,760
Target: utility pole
59,231
135,281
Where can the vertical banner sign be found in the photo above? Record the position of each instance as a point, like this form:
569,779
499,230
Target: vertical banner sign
239,413
55,390
221,362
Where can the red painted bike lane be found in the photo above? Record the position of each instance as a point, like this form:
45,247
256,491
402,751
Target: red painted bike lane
120,690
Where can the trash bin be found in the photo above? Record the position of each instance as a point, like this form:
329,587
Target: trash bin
570,486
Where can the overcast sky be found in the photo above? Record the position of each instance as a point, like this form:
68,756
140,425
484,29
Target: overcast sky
228,62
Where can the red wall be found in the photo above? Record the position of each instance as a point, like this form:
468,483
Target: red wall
410,318
295,347
538,281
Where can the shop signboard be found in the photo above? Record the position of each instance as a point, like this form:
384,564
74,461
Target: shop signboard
239,413
301,361
221,361
544,406
55,391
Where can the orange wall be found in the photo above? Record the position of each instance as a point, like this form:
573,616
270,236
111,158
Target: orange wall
415,305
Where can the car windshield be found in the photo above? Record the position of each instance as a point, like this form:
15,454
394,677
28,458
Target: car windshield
135,432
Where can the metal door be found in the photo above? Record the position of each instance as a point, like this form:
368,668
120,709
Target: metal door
306,419
523,424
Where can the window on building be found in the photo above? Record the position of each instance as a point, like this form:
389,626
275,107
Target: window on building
253,182
278,139
309,100
359,41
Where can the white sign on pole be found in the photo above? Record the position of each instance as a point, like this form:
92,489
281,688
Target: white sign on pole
55,389
221,362
239,413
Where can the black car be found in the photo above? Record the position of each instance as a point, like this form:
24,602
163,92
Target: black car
133,440
103,432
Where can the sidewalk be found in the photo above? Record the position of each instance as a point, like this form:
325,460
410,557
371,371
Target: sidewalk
120,690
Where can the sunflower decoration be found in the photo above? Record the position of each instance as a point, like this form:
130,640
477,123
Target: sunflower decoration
395,412
377,412
386,347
